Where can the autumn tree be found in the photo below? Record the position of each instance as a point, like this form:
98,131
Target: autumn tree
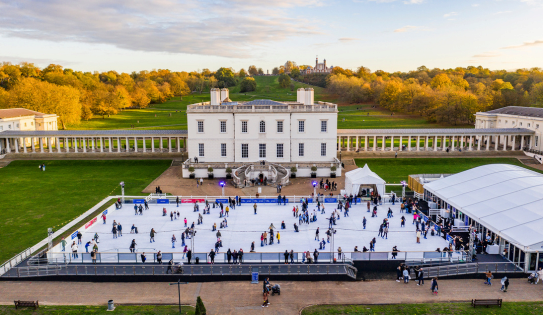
253,70
248,84
284,80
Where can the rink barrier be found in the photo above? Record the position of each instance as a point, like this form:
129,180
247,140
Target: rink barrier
423,258
154,199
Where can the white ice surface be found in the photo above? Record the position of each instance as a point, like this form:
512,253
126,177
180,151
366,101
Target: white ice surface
245,227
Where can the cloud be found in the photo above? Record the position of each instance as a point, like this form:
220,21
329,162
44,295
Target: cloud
388,1
227,28
533,2
37,61
413,1
525,44
348,39
406,28
502,12
487,55
475,5
450,14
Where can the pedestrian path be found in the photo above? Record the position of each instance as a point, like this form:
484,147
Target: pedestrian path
243,297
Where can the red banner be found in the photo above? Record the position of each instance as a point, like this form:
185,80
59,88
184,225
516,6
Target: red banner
190,200
90,223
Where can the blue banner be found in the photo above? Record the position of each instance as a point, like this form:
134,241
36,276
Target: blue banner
254,277
330,200
221,200
267,200
74,234
163,201
138,200
105,212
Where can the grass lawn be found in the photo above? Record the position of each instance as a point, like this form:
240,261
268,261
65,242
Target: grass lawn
119,309
171,114
396,170
433,308
33,201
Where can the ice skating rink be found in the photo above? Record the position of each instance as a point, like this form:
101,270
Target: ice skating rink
245,227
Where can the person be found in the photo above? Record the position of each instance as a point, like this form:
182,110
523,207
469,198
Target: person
119,229
253,247
63,244
229,255
405,276
174,239
291,256
87,246
265,294
189,256
364,221
503,284
74,250
278,238
399,273
159,257
79,236
133,246
104,217
394,252
539,275
212,256
143,258
339,253
170,264
93,256
316,255
286,254
152,236
418,236
420,277
254,206
434,285
488,276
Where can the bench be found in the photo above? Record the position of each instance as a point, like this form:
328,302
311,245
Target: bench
487,303
20,303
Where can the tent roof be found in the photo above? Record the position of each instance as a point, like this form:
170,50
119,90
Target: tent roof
507,199
364,176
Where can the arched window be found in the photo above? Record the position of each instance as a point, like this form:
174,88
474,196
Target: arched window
262,126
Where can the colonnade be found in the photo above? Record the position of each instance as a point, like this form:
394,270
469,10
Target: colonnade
89,144
459,142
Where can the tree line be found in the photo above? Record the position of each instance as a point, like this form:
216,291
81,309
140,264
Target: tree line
449,96
76,95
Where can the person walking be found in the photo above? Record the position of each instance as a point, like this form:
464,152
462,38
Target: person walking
93,256
434,285
488,276
133,246
63,244
418,236
212,256
152,236
159,257
286,254
278,236
405,276
254,206
364,221
189,256
420,277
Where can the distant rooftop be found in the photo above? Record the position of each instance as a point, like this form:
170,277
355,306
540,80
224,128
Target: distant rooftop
263,102
519,111
18,112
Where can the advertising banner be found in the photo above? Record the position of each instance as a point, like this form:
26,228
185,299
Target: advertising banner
191,200
90,223
163,201
138,201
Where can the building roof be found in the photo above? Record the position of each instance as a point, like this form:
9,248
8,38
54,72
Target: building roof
18,112
432,132
518,111
263,102
102,133
505,198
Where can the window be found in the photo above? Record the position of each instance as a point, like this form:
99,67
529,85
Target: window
244,126
223,126
262,150
25,124
9,126
506,121
536,126
536,140
1,127
200,126
301,125
17,125
279,150
32,124
280,126
262,126
520,124
200,149
300,149
244,150
324,125
528,125
323,149
223,149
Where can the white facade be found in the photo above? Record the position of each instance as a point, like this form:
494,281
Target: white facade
530,118
20,119
279,132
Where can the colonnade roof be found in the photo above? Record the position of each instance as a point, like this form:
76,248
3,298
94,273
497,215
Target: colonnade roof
507,199
435,132
100,133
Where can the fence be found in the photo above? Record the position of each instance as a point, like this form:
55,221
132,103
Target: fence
474,268
189,270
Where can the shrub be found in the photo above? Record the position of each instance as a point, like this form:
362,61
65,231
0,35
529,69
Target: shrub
333,168
210,169
293,169
247,85
313,168
191,169
228,170
200,308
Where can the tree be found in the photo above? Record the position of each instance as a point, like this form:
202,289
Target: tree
140,98
200,308
253,70
284,80
441,81
247,85
275,71
242,73
536,95
260,71
295,73
227,76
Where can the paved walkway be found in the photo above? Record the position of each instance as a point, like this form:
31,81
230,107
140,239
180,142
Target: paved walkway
245,298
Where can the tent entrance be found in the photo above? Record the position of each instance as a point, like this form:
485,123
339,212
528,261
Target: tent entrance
365,190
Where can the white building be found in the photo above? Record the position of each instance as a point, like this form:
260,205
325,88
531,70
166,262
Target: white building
319,68
530,118
20,119
262,130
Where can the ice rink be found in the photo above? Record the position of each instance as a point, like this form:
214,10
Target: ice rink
245,227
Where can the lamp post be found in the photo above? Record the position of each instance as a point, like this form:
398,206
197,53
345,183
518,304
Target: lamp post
122,190
179,283
340,154
403,188
314,183
222,184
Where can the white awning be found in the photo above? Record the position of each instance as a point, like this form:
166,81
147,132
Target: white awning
363,176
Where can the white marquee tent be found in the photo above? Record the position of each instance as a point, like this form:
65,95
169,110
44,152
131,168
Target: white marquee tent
363,177
506,199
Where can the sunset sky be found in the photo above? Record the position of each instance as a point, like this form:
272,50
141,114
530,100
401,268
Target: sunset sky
390,35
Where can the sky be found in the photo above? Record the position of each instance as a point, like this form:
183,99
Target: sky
190,35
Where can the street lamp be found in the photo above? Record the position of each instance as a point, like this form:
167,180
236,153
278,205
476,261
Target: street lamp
122,189
403,188
340,155
314,183
179,283
222,184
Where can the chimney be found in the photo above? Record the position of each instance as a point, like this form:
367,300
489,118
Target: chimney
300,95
324,64
316,62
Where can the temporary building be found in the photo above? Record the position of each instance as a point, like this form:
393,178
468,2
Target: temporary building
361,178
506,199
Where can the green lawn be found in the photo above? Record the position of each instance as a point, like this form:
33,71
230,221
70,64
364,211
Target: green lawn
433,308
84,309
171,114
33,200
395,170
